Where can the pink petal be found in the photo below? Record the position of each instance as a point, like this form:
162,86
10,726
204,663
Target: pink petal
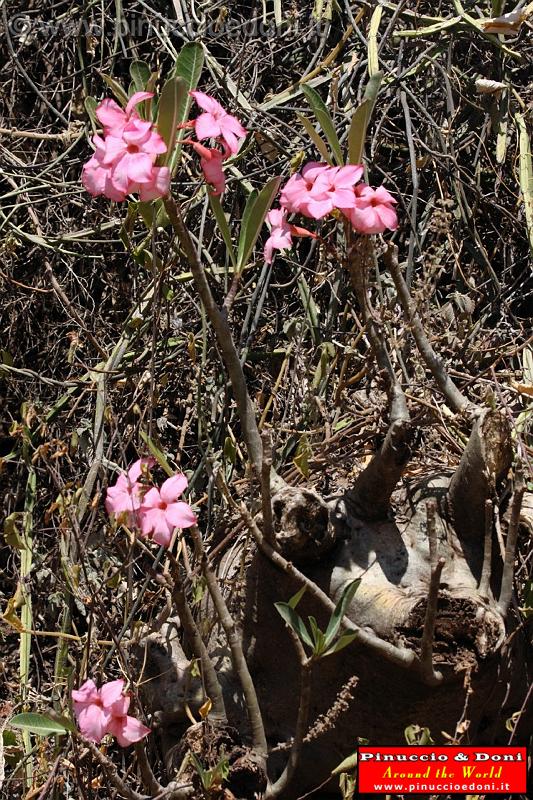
136,469
206,127
94,177
159,186
136,131
111,116
384,196
111,692
115,148
313,169
155,144
154,521
138,166
207,103
276,217
388,217
163,538
151,499
317,208
87,693
135,99
93,722
127,730
173,487
347,176
180,515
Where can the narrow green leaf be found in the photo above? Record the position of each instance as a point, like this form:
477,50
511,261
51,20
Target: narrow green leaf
325,121
342,642
39,724
295,622
361,118
223,226
347,765
317,140
373,59
526,175
319,640
170,113
188,67
340,609
295,599
253,219
302,455
90,104
140,75
116,88
157,454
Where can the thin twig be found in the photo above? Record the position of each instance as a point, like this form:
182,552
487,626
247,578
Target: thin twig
235,643
266,496
455,398
428,635
150,782
212,683
304,704
484,582
225,341
109,769
506,590
431,510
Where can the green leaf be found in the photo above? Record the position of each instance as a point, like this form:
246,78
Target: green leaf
526,175
172,102
295,599
361,118
318,141
116,88
303,453
319,640
373,59
40,725
90,104
253,219
140,75
230,451
342,642
223,226
294,621
325,121
347,765
188,67
157,454
340,609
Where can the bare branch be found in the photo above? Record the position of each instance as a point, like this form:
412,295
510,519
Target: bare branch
455,398
506,590
426,647
235,643
212,684
484,583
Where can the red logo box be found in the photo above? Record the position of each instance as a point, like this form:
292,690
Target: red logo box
441,770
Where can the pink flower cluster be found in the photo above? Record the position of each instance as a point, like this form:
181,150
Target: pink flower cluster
215,123
105,710
124,160
319,190
155,511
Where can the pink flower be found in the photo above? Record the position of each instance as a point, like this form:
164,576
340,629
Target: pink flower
373,211
320,189
126,495
217,123
281,233
102,711
160,514
124,161
211,161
